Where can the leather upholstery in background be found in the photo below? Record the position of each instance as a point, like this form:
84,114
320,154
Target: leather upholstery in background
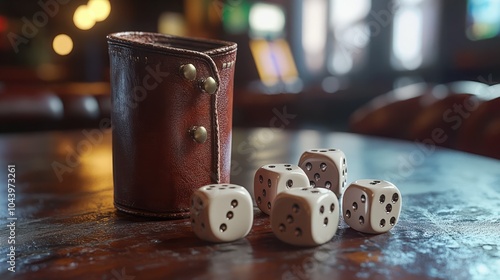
462,115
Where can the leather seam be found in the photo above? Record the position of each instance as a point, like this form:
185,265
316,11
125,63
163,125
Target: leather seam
217,136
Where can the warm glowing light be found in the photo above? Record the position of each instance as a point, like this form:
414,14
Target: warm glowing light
99,9
62,44
83,18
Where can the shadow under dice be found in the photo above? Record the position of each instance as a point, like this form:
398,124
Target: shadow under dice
326,168
271,179
221,212
371,206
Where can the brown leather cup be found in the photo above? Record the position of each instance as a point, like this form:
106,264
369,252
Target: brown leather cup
172,116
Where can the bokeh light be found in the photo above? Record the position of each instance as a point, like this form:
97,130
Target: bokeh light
99,9
83,18
62,44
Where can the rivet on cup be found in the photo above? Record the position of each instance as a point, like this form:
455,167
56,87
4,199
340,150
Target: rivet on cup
199,134
188,71
210,85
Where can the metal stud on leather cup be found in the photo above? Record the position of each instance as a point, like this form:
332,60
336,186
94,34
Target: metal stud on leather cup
210,85
199,134
188,71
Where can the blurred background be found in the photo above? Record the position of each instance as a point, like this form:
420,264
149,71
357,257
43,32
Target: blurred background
393,68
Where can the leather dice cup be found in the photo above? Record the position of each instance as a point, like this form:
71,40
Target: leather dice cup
172,116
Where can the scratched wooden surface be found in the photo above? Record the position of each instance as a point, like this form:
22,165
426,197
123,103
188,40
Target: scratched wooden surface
68,228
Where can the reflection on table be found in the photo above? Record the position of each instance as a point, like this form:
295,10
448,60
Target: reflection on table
67,226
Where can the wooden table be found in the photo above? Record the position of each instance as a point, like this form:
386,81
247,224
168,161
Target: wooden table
68,228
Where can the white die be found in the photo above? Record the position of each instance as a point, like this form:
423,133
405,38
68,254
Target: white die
325,168
221,212
371,206
272,179
305,216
